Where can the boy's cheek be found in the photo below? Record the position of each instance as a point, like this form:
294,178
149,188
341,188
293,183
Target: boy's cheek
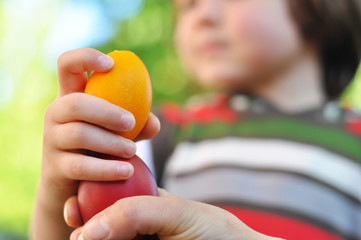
259,42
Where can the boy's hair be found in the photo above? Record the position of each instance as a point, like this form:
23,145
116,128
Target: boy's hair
334,26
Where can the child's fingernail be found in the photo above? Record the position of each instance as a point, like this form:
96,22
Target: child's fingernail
126,169
95,230
128,121
130,148
105,61
66,214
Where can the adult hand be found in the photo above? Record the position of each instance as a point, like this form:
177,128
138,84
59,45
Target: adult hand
169,216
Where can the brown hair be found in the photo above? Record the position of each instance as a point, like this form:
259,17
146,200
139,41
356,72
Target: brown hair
334,26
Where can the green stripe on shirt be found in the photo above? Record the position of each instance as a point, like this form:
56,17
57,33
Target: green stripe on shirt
329,137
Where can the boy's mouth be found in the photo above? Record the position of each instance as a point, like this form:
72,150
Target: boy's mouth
211,48
210,45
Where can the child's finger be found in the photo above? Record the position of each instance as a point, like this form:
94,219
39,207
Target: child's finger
81,135
151,128
73,65
87,108
71,212
82,167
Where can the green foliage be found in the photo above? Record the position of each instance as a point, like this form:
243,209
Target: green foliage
21,140
21,119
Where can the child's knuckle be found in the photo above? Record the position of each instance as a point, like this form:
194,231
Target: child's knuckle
48,112
62,58
75,133
74,102
77,169
113,117
118,146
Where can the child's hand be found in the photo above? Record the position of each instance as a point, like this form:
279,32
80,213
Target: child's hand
77,123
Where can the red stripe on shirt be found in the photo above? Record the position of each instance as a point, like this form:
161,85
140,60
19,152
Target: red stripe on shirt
280,226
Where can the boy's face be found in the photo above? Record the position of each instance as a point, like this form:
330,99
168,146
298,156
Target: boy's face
236,44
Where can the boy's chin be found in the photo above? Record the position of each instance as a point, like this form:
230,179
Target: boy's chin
227,84
224,77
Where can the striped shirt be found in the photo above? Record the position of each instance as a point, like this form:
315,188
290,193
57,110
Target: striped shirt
290,176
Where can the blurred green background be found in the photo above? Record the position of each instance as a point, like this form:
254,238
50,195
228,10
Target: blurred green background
32,35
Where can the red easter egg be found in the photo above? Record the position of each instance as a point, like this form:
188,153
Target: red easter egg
95,196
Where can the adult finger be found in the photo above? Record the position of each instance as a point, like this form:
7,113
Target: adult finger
163,193
166,216
74,64
76,234
73,218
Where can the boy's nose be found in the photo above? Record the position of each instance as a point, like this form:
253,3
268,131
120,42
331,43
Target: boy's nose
209,11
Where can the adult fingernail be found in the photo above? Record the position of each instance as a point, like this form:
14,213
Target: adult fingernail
81,237
128,121
105,61
95,230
